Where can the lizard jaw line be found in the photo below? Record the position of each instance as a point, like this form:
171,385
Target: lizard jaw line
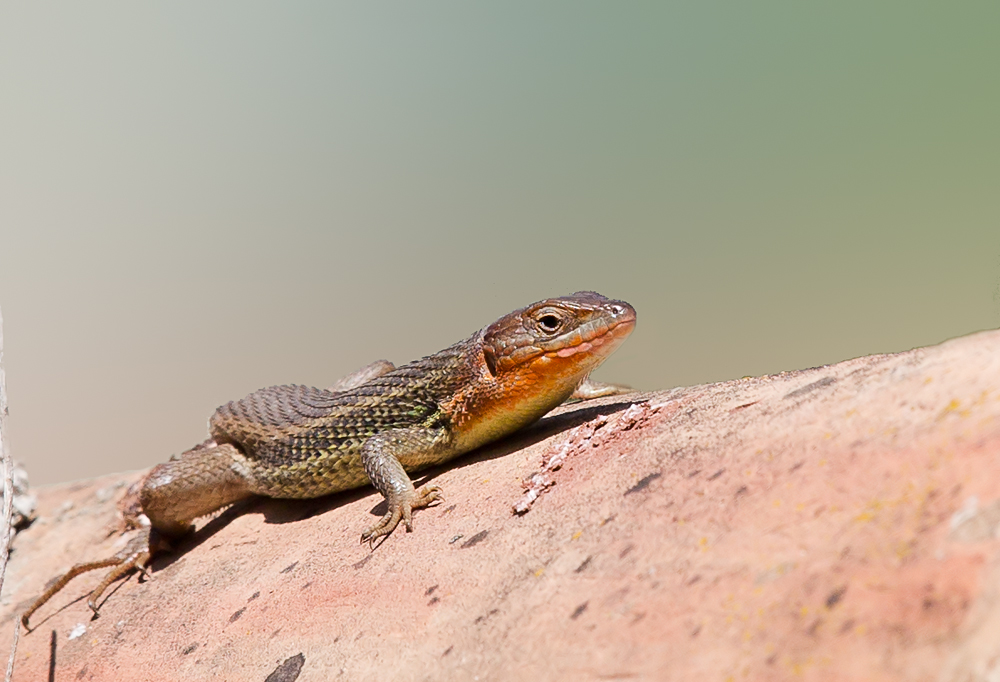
585,346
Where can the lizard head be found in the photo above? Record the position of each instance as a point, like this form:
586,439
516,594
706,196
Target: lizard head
562,339
533,359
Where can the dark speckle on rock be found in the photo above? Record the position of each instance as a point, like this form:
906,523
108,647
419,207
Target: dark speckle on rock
475,539
189,649
825,381
835,597
578,611
716,474
253,596
583,566
643,484
236,616
287,671
290,567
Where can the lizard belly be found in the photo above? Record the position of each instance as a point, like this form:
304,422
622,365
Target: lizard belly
318,475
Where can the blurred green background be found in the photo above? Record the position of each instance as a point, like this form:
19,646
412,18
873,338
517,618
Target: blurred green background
200,199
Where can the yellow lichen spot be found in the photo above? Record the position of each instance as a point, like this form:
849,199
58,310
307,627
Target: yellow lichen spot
804,611
928,380
486,480
827,435
860,630
950,407
576,535
539,572
822,462
777,503
799,668
799,507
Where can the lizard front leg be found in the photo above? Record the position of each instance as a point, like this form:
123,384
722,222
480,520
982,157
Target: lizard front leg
382,456
590,389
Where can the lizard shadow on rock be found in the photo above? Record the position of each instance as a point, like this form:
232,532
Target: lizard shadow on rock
273,510
567,417
277,511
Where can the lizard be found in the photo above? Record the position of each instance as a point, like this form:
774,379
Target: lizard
373,426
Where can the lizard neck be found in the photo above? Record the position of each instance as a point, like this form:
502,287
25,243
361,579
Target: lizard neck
485,406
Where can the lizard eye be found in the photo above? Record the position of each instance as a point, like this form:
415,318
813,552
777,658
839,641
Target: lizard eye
549,323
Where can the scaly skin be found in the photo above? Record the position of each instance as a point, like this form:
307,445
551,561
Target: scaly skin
379,424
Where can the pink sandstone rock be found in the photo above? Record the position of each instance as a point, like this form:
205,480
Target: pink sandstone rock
835,523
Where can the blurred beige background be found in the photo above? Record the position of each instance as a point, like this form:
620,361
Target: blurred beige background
200,199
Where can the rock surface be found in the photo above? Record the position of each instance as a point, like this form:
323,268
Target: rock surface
840,522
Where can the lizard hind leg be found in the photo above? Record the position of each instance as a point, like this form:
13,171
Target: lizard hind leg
361,376
135,556
172,495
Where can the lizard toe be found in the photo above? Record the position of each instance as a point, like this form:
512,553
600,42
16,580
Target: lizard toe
402,510
385,526
427,495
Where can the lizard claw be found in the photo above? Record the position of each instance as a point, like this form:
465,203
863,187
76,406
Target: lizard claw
135,561
402,510
135,556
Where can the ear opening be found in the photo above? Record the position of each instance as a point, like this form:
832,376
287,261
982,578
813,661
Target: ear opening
491,360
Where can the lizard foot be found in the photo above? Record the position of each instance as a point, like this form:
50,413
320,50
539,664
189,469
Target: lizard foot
401,509
135,556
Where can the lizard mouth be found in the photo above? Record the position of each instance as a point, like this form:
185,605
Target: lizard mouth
596,327
598,337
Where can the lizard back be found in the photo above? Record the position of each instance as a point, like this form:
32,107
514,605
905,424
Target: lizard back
300,441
